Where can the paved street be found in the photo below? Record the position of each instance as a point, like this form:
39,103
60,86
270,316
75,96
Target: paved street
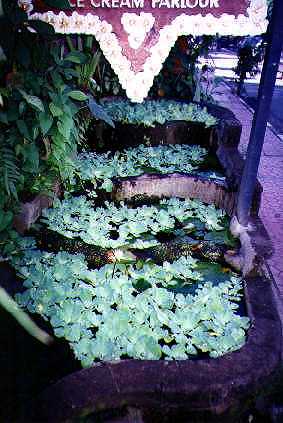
276,115
271,177
271,165
225,61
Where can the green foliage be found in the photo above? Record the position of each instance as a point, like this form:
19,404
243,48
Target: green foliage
119,227
104,314
164,159
82,53
59,4
152,112
40,106
250,54
179,77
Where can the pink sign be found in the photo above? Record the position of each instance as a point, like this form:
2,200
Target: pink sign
136,35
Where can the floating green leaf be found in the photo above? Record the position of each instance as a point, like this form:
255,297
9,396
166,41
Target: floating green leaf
126,310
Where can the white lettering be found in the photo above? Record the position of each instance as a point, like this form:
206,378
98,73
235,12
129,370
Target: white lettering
164,3
214,3
175,3
203,3
138,3
192,3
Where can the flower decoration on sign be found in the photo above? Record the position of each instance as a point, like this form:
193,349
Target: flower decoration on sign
137,26
258,11
137,59
26,5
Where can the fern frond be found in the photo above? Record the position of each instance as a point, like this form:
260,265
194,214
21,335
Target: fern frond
9,170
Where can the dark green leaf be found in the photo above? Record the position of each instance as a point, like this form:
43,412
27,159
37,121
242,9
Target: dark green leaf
22,107
31,158
6,219
33,101
213,272
78,95
55,110
76,57
22,127
99,112
42,27
221,237
3,118
23,54
58,4
45,121
65,125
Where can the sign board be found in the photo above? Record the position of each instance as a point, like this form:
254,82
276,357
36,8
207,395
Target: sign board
136,35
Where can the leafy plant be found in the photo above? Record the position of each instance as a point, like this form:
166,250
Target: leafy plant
250,54
104,314
178,78
136,228
152,112
40,104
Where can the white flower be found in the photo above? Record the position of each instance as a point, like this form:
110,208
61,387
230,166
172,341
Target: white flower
153,65
161,51
138,86
227,23
125,76
91,24
63,23
122,66
77,23
210,24
26,5
147,21
144,80
108,43
196,25
103,28
258,13
136,40
243,26
169,35
182,23
113,52
137,26
48,17
130,22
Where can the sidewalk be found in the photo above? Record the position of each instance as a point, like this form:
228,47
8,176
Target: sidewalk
225,60
271,178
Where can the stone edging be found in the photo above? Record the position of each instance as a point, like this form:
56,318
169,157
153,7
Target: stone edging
212,386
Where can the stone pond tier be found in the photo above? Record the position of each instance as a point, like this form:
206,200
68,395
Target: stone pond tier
222,141
212,389
207,388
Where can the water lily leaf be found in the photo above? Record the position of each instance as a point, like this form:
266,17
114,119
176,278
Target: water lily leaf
212,272
221,237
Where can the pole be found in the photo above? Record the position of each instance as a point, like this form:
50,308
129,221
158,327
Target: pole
265,93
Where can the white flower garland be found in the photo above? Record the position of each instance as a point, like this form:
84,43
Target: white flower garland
137,26
138,84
